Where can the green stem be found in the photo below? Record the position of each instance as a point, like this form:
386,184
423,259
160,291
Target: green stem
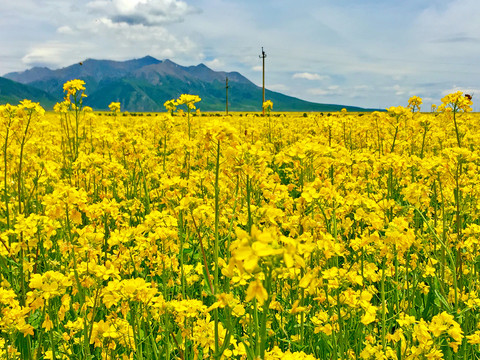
164,151
384,312
86,341
249,210
341,339
78,105
266,305
394,140
5,174
52,343
452,261
215,249
188,122
458,218
457,132
423,142
255,315
20,163
204,257
182,273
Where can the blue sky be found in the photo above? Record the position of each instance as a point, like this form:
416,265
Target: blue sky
353,52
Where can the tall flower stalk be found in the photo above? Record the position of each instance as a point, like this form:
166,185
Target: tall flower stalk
71,115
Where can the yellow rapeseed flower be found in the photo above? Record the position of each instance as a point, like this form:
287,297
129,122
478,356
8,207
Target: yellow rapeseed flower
257,291
114,107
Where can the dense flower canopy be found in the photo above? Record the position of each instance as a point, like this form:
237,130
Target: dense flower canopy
287,236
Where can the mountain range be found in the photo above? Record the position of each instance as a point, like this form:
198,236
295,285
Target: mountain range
145,84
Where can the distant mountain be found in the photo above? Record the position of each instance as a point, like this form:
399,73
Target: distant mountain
91,71
145,84
13,92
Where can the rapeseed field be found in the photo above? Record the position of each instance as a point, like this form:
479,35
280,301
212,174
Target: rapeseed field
183,235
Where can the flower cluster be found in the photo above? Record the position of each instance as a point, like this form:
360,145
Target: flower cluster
114,107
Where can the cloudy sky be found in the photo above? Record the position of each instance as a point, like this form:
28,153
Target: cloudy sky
354,52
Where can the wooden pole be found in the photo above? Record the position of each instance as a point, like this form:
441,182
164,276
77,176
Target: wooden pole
226,91
263,56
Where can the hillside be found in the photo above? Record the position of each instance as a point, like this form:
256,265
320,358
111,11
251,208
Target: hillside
13,92
145,84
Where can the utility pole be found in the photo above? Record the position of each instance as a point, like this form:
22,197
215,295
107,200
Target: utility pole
226,91
263,56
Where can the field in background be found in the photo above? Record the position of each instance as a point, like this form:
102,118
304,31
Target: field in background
334,236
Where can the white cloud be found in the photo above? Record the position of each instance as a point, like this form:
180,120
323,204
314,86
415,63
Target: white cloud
257,68
65,30
215,64
332,90
428,100
111,29
362,87
145,12
399,91
456,22
117,41
309,76
54,53
277,87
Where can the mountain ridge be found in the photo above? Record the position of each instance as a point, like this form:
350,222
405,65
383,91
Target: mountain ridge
144,84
